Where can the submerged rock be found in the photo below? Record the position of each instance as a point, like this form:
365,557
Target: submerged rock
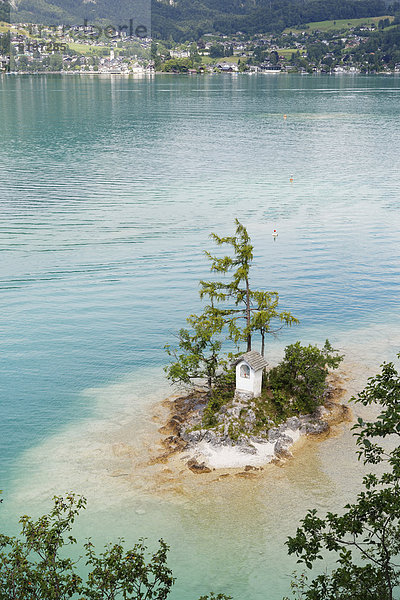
315,428
197,467
274,434
282,448
293,423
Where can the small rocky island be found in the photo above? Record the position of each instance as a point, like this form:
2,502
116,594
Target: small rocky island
248,429
249,415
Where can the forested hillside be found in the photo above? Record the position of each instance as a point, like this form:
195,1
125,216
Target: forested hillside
190,19
76,11
382,47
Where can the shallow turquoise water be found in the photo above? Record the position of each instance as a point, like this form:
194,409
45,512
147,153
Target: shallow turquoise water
109,190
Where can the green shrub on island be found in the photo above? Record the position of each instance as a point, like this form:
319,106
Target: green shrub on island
299,381
295,387
197,356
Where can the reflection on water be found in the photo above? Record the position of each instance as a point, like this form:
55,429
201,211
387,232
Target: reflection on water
110,188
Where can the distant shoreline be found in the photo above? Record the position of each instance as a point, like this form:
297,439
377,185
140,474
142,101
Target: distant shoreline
154,73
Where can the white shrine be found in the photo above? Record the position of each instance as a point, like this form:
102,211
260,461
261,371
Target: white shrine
249,370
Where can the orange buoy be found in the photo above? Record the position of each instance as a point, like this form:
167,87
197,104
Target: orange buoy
285,117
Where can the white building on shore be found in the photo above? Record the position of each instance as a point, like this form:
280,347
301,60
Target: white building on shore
249,371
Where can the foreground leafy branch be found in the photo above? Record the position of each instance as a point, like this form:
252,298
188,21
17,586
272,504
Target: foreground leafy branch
36,565
366,537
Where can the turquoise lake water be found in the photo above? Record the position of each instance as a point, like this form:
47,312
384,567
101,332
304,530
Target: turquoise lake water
110,188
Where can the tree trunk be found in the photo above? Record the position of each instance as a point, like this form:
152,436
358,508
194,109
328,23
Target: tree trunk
248,342
262,342
248,315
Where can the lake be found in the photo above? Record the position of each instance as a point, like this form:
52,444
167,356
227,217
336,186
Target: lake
110,188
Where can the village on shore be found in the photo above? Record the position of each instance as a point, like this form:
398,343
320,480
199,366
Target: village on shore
328,47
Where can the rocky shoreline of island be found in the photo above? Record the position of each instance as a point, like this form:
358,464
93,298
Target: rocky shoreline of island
203,450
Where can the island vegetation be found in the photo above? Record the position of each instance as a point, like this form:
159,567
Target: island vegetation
235,313
364,538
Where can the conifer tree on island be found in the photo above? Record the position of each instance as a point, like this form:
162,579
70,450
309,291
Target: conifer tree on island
234,312
238,289
245,310
198,353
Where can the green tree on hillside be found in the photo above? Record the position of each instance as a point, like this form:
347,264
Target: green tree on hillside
5,11
177,65
274,57
5,40
56,61
194,54
155,57
217,51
